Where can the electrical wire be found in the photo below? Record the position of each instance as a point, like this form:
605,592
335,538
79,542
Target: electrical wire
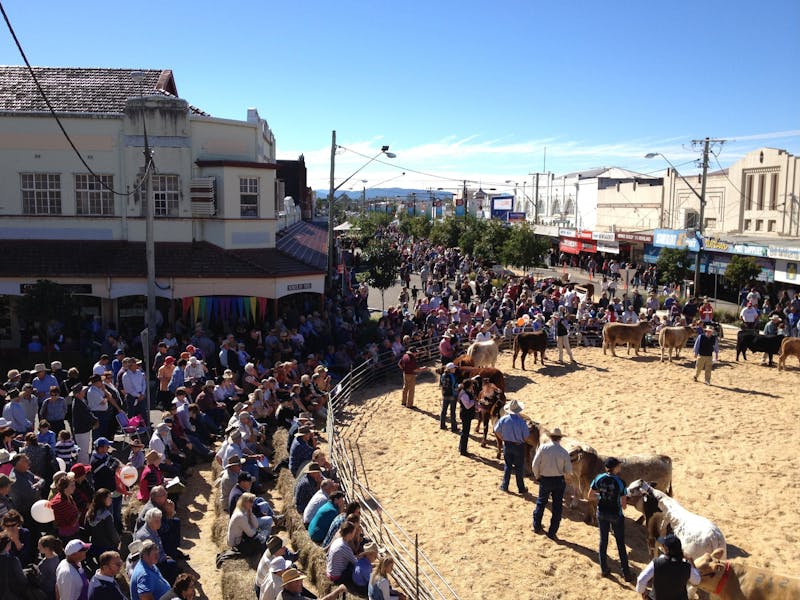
97,178
725,172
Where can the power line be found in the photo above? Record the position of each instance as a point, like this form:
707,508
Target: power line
97,178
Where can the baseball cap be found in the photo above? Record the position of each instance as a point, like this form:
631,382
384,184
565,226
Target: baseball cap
75,546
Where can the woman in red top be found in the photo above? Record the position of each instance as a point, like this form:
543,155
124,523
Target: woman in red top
151,476
65,509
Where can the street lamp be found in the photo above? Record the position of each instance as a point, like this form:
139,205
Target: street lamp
702,197
332,191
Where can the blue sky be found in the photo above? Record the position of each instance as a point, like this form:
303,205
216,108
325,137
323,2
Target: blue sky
463,89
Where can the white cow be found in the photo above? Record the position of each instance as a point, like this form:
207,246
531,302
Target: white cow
483,354
697,534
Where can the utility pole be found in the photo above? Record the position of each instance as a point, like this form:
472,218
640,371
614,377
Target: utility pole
464,198
536,199
706,145
331,192
149,232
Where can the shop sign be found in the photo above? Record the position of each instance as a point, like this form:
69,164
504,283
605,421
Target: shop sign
295,287
786,271
609,247
674,238
583,234
645,238
792,254
603,236
566,232
550,230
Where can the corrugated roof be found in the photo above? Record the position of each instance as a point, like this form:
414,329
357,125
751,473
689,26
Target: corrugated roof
81,89
53,258
306,242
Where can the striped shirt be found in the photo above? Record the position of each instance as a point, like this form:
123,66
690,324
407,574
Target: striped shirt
340,554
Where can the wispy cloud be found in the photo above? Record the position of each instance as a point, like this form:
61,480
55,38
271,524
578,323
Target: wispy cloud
445,162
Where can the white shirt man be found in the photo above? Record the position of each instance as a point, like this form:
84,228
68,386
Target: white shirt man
749,314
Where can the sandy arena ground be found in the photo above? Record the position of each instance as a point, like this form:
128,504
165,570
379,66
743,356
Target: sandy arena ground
733,445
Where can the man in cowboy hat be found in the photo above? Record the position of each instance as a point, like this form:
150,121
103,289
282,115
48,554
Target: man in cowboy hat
704,346
408,365
512,430
293,587
550,465
449,385
42,382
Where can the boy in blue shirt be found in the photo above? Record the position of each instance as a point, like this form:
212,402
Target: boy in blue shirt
611,494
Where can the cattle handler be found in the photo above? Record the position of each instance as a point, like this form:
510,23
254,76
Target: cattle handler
550,465
611,495
669,573
705,346
408,365
513,431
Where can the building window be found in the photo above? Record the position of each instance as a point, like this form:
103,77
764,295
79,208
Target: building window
91,197
41,193
248,196
773,192
771,225
747,224
692,219
166,195
748,193
762,180
759,224
710,223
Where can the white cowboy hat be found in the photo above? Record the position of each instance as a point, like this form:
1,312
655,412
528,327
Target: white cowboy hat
512,406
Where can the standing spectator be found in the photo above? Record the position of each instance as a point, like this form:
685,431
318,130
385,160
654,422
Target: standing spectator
513,431
706,311
42,382
46,436
704,346
71,580
104,471
104,586
99,400
749,316
14,413
134,383
466,403
54,410
25,489
611,495
408,365
550,465
50,548
83,422
100,523
13,582
65,509
561,324
449,386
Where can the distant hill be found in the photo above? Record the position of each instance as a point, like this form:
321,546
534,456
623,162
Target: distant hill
378,193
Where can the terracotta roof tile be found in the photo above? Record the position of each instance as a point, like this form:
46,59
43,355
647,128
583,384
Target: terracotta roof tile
306,242
53,258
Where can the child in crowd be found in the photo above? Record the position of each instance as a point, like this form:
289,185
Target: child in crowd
66,448
50,547
45,435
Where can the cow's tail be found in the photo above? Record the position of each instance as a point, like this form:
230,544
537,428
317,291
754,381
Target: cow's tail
668,460
470,350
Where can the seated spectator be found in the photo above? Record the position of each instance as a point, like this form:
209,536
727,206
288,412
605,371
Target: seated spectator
379,588
182,589
149,531
151,476
363,569
71,580
341,557
326,488
170,530
292,587
51,549
275,549
147,582
104,586
25,487
229,479
243,533
6,503
136,457
274,582
302,449
100,523
351,512
319,525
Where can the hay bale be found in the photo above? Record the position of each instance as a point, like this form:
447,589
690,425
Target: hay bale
130,512
237,578
219,530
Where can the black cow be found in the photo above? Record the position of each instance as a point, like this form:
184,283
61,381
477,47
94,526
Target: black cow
534,342
751,340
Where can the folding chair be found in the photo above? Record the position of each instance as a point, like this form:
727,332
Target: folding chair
129,431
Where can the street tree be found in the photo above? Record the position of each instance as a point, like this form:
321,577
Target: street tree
742,270
383,263
45,301
673,265
524,248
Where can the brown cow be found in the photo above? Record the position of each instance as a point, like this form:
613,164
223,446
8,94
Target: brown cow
531,442
790,346
674,337
738,581
622,333
534,342
463,361
490,373
588,464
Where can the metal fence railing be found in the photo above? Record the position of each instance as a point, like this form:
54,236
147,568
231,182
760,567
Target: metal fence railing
414,572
